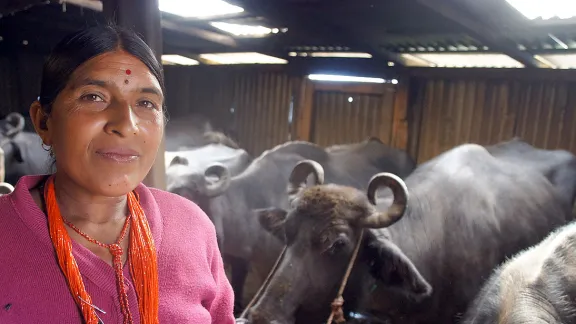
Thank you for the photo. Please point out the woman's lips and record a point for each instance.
(119, 155)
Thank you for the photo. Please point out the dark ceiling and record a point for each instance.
(382, 28)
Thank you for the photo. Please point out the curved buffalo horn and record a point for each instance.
(179, 160)
(17, 121)
(5, 188)
(301, 171)
(396, 211)
(217, 188)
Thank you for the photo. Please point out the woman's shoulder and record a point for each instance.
(173, 201)
(176, 209)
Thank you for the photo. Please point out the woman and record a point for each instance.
(90, 243)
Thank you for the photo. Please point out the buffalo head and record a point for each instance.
(11, 125)
(197, 185)
(321, 229)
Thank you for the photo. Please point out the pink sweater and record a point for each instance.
(193, 285)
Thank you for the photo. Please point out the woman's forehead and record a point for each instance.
(115, 64)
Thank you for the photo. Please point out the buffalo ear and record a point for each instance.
(272, 220)
(392, 268)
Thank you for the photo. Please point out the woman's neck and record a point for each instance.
(78, 205)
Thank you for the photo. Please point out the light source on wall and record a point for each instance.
(332, 54)
(172, 59)
(558, 61)
(341, 54)
(533, 9)
(343, 78)
(198, 8)
(461, 60)
(241, 58)
(242, 30)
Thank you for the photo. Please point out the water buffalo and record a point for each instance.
(23, 152)
(428, 244)
(231, 201)
(559, 166)
(370, 153)
(189, 173)
(537, 286)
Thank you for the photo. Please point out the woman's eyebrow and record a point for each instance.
(151, 90)
(89, 81)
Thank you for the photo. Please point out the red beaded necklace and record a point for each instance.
(116, 251)
(142, 260)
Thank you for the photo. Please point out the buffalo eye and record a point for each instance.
(338, 245)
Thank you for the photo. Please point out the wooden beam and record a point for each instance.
(366, 88)
(143, 16)
(299, 20)
(491, 37)
(482, 73)
(200, 33)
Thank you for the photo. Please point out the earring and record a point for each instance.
(46, 148)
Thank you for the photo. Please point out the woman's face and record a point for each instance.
(106, 125)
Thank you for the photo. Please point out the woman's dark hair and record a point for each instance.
(83, 45)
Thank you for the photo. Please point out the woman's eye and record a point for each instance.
(92, 97)
(147, 104)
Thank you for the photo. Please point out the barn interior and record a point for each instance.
(421, 75)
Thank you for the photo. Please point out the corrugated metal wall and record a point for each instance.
(485, 111)
(201, 91)
(261, 107)
(337, 120)
(20, 75)
(252, 105)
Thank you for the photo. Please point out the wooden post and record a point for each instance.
(304, 110)
(399, 136)
(142, 16)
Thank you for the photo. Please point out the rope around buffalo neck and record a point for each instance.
(337, 314)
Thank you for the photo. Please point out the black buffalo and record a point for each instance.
(231, 201)
(23, 152)
(558, 166)
(428, 244)
(537, 286)
(189, 172)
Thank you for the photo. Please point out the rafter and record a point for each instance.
(490, 36)
(326, 30)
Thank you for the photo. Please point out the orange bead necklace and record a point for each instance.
(141, 252)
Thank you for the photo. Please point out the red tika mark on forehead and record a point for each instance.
(128, 72)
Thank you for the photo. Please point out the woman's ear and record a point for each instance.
(40, 121)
